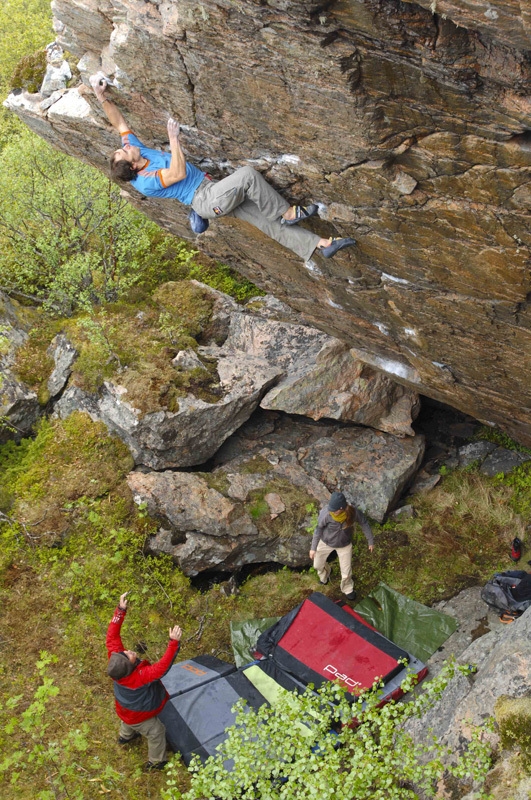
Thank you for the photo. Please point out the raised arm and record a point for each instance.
(177, 170)
(112, 112)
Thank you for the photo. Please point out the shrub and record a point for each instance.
(301, 747)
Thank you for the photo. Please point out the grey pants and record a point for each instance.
(155, 733)
(247, 195)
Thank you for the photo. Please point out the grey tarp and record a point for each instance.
(416, 628)
(244, 636)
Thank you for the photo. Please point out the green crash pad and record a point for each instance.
(244, 636)
(413, 627)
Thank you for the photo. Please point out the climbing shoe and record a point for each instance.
(301, 212)
(508, 616)
(198, 224)
(351, 595)
(136, 735)
(516, 549)
(151, 765)
(335, 246)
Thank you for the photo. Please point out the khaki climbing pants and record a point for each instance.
(247, 195)
(155, 733)
(345, 564)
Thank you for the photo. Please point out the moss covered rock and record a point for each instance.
(513, 715)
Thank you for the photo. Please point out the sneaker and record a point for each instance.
(198, 224)
(351, 595)
(516, 549)
(136, 735)
(151, 765)
(301, 212)
(335, 246)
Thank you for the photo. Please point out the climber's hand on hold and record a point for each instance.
(174, 129)
(99, 85)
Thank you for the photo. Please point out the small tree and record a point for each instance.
(307, 747)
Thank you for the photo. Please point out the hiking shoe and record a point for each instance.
(516, 549)
(351, 595)
(197, 223)
(151, 765)
(301, 212)
(335, 246)
(136, 735)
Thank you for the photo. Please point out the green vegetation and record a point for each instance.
(286, 751)
(72, 540)
(29, 72)
(134, 342)
(513, 715)
(25, 26)
(498, 437)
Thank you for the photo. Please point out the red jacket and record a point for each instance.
(140, 695)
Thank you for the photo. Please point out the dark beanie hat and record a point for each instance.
(119, 666)
(337, 501)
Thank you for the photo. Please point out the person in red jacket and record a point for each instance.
(138, 692)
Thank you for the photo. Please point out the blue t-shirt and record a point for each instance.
(149, 180)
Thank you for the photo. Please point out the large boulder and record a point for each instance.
(19, 404)
(224, 521)
(247, 351)
(258, 503)
(502, 656)
(321, 377)
(371, 467)
(408, 121)
(182, 438)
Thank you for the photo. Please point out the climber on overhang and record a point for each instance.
(244, 194)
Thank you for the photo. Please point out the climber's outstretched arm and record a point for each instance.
(177, 169)
(112, 112)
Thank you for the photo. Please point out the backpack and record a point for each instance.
(497, 592)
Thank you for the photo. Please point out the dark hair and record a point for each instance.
(122, 170)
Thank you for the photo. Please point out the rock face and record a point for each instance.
(321, 377)
(371, 467)
(203, 529)
(64, 355)
(256, 506)
(502, 655)
(409, 122)
(258, 351)
(184, 438)
(19, 406)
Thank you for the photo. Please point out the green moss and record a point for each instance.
(66, 461)
(256, 465)
(258, 507)
(513, 716)
(29, 72)
(519, 481)
(133, 343)
(5, 345)
(32, 364)
(185, 311)
(216, 480)
(495, 435)
(292, 520)
(222, 278)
